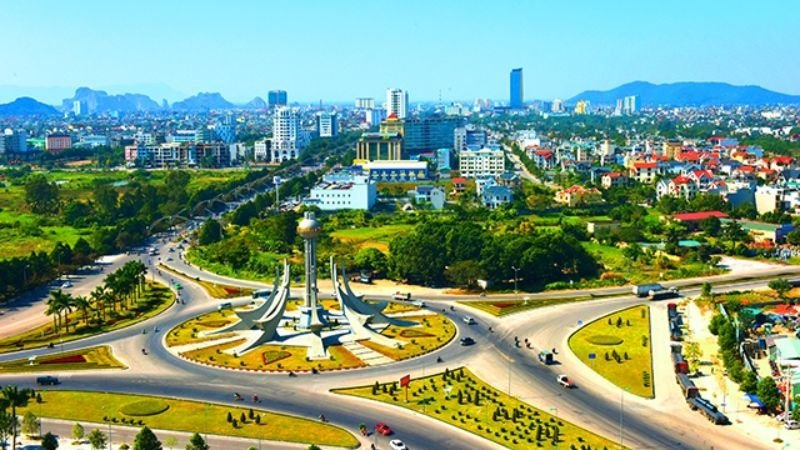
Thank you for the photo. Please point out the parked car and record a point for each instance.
(383, 429)
(66, 285)
(397, 444)
(469, 320)
(791, 424)
(465, 341)
(47, 380)
(565, 382)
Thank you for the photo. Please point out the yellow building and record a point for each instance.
(578, 195)
(671, 148)
(379, 147)
(582, 107)
(392, 125)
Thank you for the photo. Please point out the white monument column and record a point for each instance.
(310, 312)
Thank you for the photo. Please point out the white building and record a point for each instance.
(93, 140)
(365, 103)
(396, 103)
(261, 150)
(343, 190)
(481, 163)
(460, 139)
(288, 139)
(374, 116)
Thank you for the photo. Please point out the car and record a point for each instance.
(66, 285)
(469, 320)
(382, 428)
(224, 305)
(169, 258)
(565, 382)
(47, 380)
(397, 444)
(781, 417)
(465, 341)
(791, 424)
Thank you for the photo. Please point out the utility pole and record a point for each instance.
(516, 277)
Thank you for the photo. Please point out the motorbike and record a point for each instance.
(322, 418)
(237, 397)
(144, 352)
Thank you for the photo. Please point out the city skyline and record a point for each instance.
(565, 49)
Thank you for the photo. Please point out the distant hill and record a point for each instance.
(101, 101)
(26, 106)
(256, 103)
(689, 94)
(204, 101)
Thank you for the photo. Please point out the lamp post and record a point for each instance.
(516, 272)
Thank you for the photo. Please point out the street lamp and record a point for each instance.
(516, 272)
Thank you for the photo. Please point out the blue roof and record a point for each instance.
(754, 399)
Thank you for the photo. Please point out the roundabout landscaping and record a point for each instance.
(195, 341)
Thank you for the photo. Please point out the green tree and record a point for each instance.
(49, 442)
(372, 260)
(711, 226)
(793, 237)
(464, 273)
(313, 447)
(210, 232)
(15, 398)
(749, 383)
(633, 252)
(781, 286)
(30, 424)
(146, 440)
(41, 195)
(196, 442)
(768, 392)
(97, 439)
(8, 423)
(78, 432)
(706, 291)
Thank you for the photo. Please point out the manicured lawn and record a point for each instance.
(435, 331)
(370, 237)
(181, 415)
(624, 334)
(501, 308)
(494, 415)
(84, 359)
(155, 300)
(188, 332)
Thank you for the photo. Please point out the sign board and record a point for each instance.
(405, 380)
(483, 284)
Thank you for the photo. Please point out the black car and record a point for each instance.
(47, 380)
(467, 341)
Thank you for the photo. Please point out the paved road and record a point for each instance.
(661, 423)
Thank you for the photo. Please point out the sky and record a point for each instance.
(339, 50)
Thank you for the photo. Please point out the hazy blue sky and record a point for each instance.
(337, 50)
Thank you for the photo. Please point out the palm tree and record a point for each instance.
(99, 296)
(15, 397)
(82, 303)
(57, 304)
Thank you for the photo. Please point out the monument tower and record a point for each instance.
(311, 311)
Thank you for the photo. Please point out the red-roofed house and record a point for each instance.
(698, 216)
(614, 179)
(543, 158)
(781, 162)
(680, 186)
(767, 174)
(578, 195)
(644, 172)
(459, 184)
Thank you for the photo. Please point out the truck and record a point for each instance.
(687, 386)
(680, 364)
(643, 290)
(660, 294)
(708, 409)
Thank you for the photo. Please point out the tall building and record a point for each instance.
(327, 124)
(277, 98)
(261, 150)
(557, 106)
(365, 103)
(15, 141)
(430, 133)
(396, 103)
(58, 142)
(582, 107)
(517, 101)
(374, 116)
(288, 139)
(379, 146)
(630, 104)
(79, 107)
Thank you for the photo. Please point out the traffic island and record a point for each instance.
(215, 290)
(461, 399)
(617, 346)
(182, 415)
(85, 359)
(107, 314)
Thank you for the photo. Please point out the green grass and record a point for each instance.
(500, 308)
(371, 237)
(94, 358)
(150, 407)
(599, 337)
(189, 416)
(155, 300)
(531, 428)
(216, 290)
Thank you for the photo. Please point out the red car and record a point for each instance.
(383, 429)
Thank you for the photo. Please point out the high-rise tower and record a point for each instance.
(517, 101)
(396, 103)
(311, 310)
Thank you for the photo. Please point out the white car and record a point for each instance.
(66, 285)
(469, 320)
(565, 382)
(397, 444)
(791, 424)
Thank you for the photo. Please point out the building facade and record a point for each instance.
(327, 124)
(277, 98)
(481, 163)
(397, 103)
(58, 142)
(430, 133)
(516, 97)
(379, 146)
(343, 190)
(288, 139)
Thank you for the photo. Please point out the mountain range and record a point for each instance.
(101, 101)
(688, 94)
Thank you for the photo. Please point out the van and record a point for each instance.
(47, 380)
